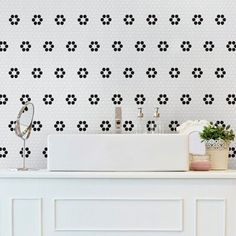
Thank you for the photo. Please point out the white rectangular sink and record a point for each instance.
(118, 152)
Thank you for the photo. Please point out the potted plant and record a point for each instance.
(217, 139)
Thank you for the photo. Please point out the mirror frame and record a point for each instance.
(17, 126)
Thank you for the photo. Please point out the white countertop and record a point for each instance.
(44, 174)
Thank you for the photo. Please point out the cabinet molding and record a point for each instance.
(210, 216)
(94, 214)
(26, 212)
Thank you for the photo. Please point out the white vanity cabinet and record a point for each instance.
(45, 203)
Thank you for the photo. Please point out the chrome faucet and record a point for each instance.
(118, 120)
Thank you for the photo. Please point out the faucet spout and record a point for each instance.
(118, 120)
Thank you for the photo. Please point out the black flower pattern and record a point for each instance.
(151, 72)
(27, 152)
(185, 99)
(163, 46)
(231, 99)
(71, 46)
(11, 125)
(151, 19)
(140, 99)
(129, 19)
(14, 19)
(197, 19)
(128, 72)
(104, 22)
(186, 46)
(173, 125)
(25, 98)
(208, 99)
(151, 126)
(106, 19)
(197, 72)
(232, 152)
(59, 73)
(25, 46)
(231, 46)
(174, 19)
(48, 46)
(71, 99)
(48, 99)
(3, 152)
(37, 125)
(105, 125)
(82, 126)
(105, 72)
(128, 125)
(59, 125)
(83, 19)
(117, 99)
(94, 99)
(208, 46)
(3, 46)
(163, 99)
(3, 99)
(220, 72)
(82, 73)
(94, 46)
(60, 19)
(37, 19)
(45, 152)
(220, 123)
(117, 46)
(174, 72)
(14, 73)
(220, 19)
(140, 46)
(37, 73)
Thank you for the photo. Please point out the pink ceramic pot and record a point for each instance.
(200, 165)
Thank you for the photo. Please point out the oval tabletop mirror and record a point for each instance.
(23, 126)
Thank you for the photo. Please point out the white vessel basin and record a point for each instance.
(118, 152)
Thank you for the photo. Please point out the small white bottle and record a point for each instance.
(158, 126)
(140, 121)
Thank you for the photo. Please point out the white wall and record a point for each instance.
(117, 61)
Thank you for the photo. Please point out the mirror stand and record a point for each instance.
(23, 128)
(23, 168)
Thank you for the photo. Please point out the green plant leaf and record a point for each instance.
(217, 133)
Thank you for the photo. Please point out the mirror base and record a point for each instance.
(22, 169)
(26, 169)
